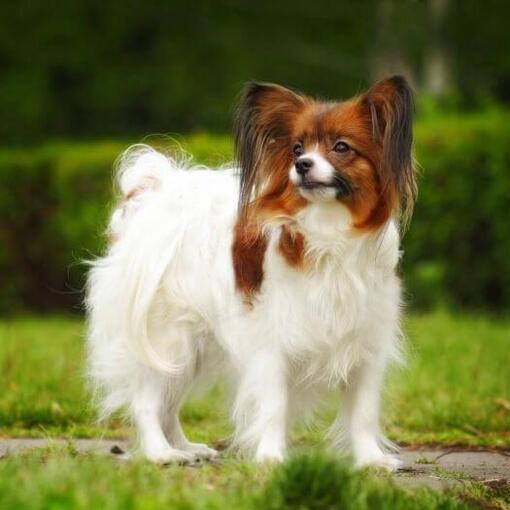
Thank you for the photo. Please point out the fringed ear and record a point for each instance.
(391, 106)
(262, 128)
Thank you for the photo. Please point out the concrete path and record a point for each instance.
(442, 469)
(438, 469)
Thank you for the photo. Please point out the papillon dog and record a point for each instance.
(278, 273)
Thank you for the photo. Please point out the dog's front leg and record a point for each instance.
(260, 410)
(359, 424)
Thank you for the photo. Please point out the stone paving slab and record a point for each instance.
(102, 446)
(443, 469)
(438, 469)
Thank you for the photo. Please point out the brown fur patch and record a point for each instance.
(292, 246)
(262, 127)
(248, 252)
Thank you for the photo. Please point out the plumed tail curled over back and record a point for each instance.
(123, 285)
(141, 167)
(140, 170)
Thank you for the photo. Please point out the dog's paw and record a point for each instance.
(268, 456)
(202, 451)
(384, 461)
(170, 456)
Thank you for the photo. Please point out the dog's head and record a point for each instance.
(294, 150)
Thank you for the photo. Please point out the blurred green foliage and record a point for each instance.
(111, 68)
(458, 245)
(54, 201)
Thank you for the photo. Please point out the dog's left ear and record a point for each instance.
(391, 108)
(262, 128)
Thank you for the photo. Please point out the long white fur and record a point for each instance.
(164, 313)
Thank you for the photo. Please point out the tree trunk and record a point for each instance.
(437, 77)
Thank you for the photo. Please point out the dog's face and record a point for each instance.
(294, 150)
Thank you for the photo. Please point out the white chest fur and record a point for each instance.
(331, 314)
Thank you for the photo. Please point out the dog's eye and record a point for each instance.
(298, 149)
(341, 147)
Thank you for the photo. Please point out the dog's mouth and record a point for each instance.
(315, 185)
(341, 185)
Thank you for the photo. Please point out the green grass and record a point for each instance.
(453, 390)
(57, 479)
(42, 373)
(456, 387)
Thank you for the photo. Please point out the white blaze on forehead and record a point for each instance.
(322, 170)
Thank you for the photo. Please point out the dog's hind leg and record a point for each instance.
(176, 390)
(147, 410)
(187, 348)
(176, 437)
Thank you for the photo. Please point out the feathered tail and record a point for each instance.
(123, 285)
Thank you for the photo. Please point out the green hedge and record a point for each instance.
(458, 246)
(107, 68)
(54, 201)
(54, 204)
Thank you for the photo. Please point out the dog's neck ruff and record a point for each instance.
(319, 238)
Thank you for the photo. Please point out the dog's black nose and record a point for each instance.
(303, 165)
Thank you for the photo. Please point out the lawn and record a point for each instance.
(454, 390)
(59, 480)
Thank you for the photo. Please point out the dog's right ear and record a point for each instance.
(262, 128)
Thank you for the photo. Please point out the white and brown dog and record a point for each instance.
(280, 275)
